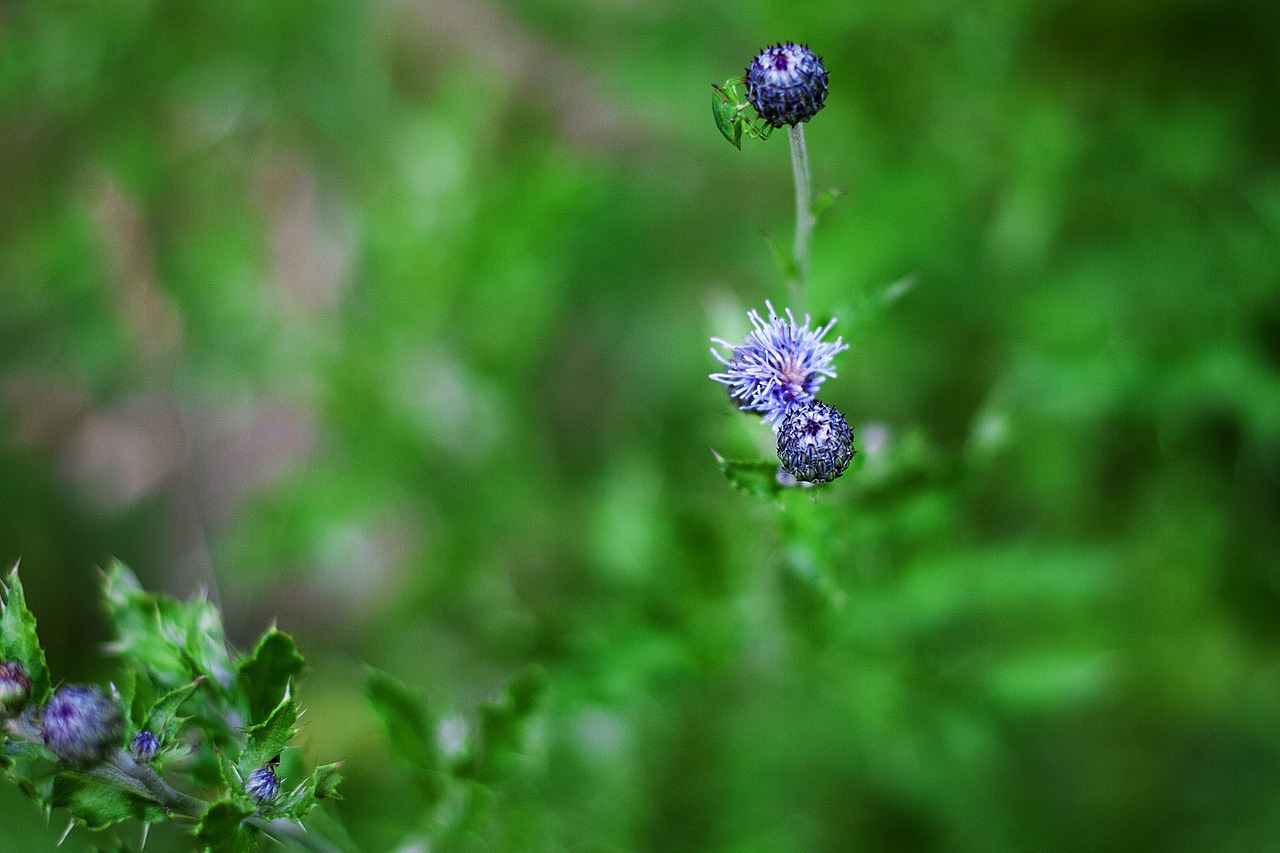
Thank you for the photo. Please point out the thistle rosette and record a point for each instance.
(82, 724)
(781, 364)
(787, 84)
(815, 444)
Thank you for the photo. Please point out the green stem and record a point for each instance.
(804, 214)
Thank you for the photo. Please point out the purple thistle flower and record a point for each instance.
(787, 84)
(779, 365)
(815, 444)
(82, 724)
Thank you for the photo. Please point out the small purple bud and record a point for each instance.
(815, 443)
(787, 84)
(145, 745)
(15, 685)
(263, 785)
(82, 724)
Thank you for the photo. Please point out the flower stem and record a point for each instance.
(804, 214)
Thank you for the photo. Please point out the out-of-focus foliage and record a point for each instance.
(391, 322)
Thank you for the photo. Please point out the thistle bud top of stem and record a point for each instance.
(787, 84)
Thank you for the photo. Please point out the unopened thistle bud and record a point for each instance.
(815, 443)
(263, 786)
(15, 685)
(787, 84)
(82, 724)
(145, 745)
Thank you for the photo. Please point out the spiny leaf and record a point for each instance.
(162, 718)
(222, 829)
(18, 639)
(97, 799)
(322, 784)
(32, 767)
(264, 676)
(753, 476)
(175, 641)
(269, 738)
(410, 728)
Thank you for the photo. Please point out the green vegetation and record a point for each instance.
(390, 325)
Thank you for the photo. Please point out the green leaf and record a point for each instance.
(785, 261)
(411, 732)
(322, 784)
(99, 798)
(18, 639)
(325, 780)
(222, 829)
(174, 641)
(269, 738)
(502, 726)
(753, 476)
(265, 675)
(162, 718)
(32, 767)
(824, 200)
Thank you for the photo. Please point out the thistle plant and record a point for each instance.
(201, 735)
(777, 371)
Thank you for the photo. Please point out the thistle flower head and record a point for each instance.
(145, 745)
(262, 785)
(82, 724)
(787, 84)
(15, 685)
(815, 444)
(780, 364)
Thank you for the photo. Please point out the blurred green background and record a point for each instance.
(389, 322)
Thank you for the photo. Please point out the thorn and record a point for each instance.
(716, 454)
(66, 832)
(146, 832)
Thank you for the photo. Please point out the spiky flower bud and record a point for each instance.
(145, 745)
(82, 724)
(787, 84)
(815, 443)
(263, 786)
(15, 685)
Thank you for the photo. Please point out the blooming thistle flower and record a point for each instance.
(787, 84)
(263, 786)
(145, 745)
(780, 364)
(15, 685)
(815, 443)
(82, 724)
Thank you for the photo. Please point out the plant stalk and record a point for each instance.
(804, 214)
